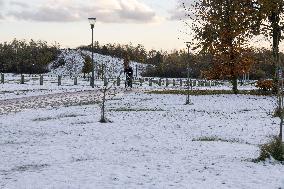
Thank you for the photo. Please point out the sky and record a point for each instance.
(153, 23)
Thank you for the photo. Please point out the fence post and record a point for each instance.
(75, 81)
(91, 80)
(141, 81)
(22, 79)
(105, 81)
(59, 80)
(103, 71)
(41, 80)
(174, 82)
(167, 82)
(160, 82)
(150, 82)
(187, 83)
(118, 81)
(2, 78)
(180, 82)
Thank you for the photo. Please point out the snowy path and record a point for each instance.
(50, 100)
(55, 100)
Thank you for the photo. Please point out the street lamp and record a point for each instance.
(187, 98)
(92, 22)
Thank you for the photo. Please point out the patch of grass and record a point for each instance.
(215, 138)
(277, 112)
(4, 92)
(22, 91)
(58, 117)
(83, 103)
(12, 143)
(82, 123)
(123, 109)
(273, 149)
(24, 168)
(44, 118)
(210, 92)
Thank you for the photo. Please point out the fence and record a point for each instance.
(119, 81)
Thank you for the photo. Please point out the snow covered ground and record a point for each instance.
(154, 141)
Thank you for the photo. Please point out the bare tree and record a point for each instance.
(109, 91)
(106, 91)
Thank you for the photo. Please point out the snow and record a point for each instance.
(50, 136)
(52, 139)
(75, 61)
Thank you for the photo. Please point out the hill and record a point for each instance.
(71, 62)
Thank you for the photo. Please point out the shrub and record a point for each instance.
(274, 149)
(277, 112)
(259, 74)
(264, 85)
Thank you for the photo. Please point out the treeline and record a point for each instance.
(135, 53)
(20, 56)
(175, 64)
(161, 63)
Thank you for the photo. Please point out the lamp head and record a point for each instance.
(92, 22)
(187, 44)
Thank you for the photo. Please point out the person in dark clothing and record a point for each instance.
(128, 71)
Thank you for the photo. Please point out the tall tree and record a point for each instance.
(271, 14)
(222, 28)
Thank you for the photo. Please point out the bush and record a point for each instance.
(274, 149)
(264, 85)
(259, 74)
(58, 63)
(277, 112)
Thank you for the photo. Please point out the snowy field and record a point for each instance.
(50, 137)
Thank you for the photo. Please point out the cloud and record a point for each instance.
(19, 4)
(110, 11)
(47, 14)
(179, 13)
(1, 7)
(136, 11)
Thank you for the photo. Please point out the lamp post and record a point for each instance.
(92, 22)
(187, 98)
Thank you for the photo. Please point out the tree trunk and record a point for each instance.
(235, 85)
(103, 119)
(234, 76)
(274, 19)
(281, 126)
(277, 86)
